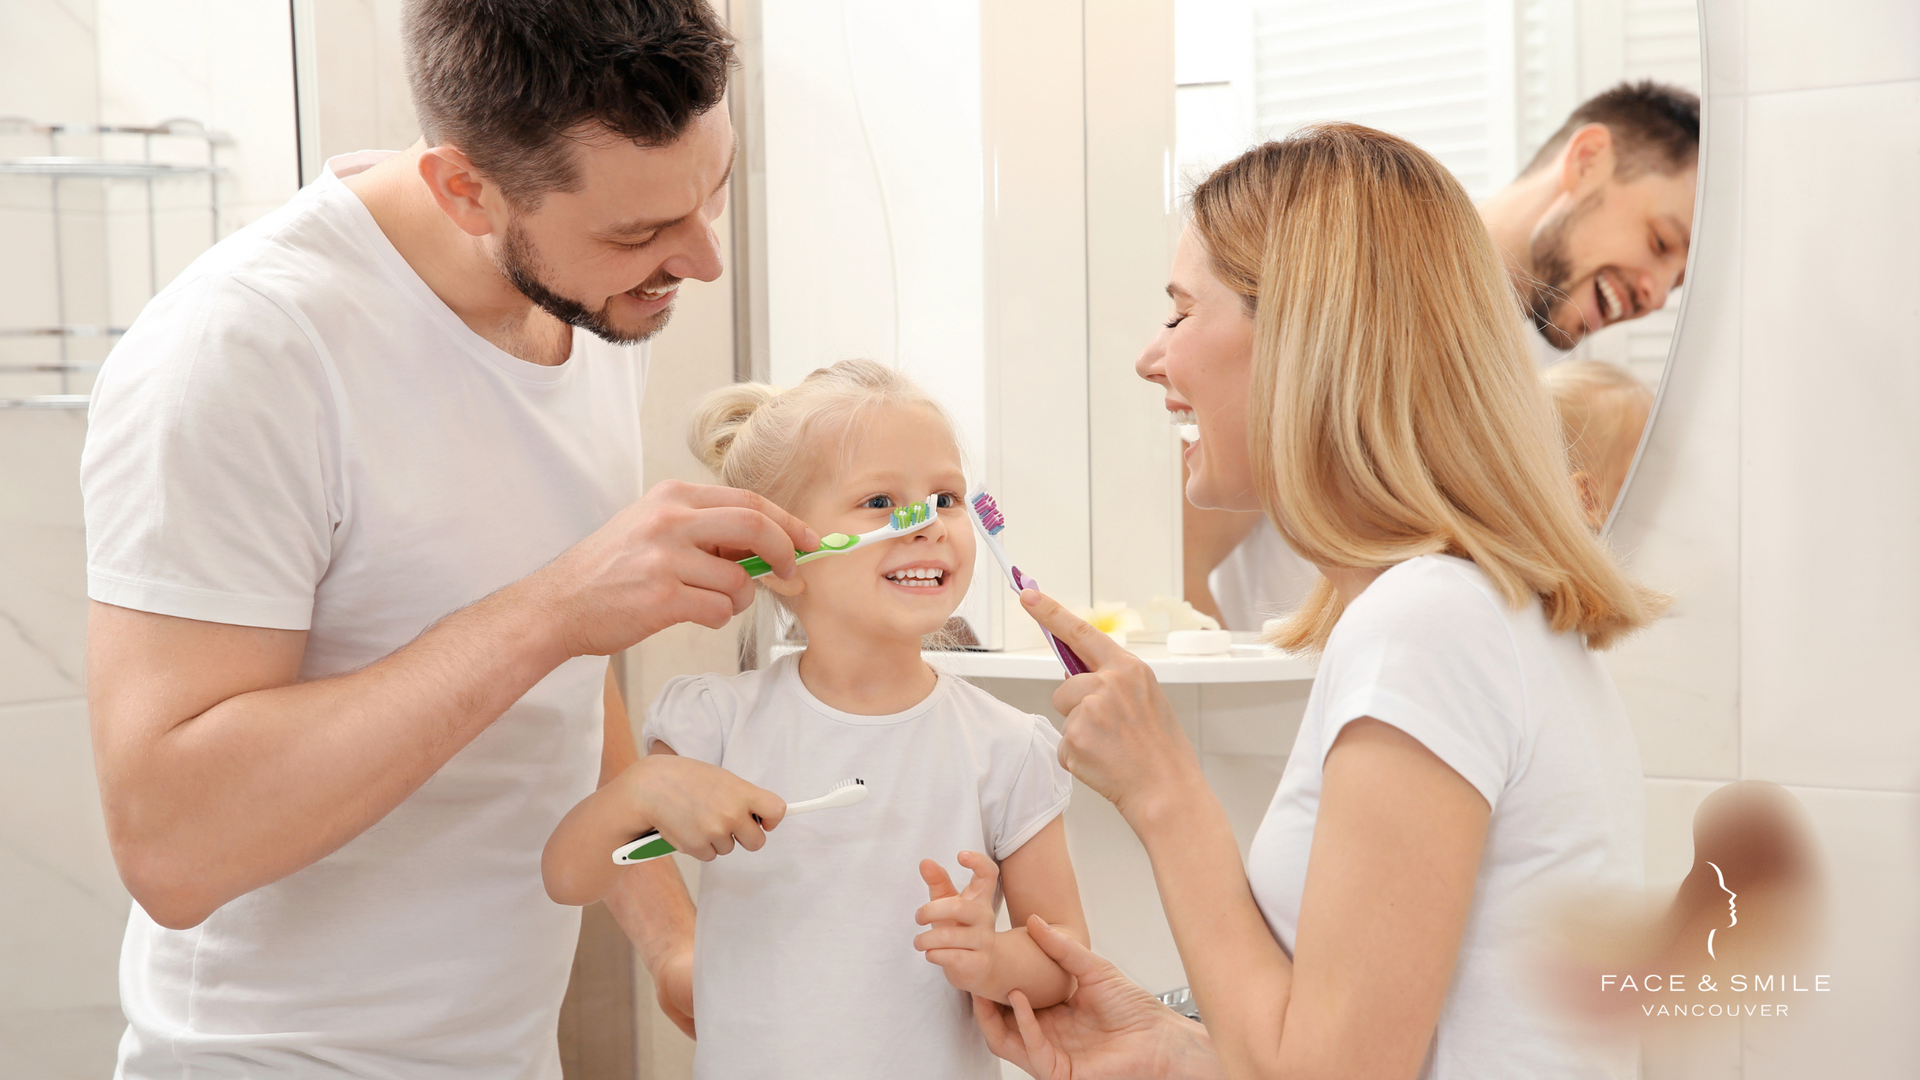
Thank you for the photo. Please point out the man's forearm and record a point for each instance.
(259, 783)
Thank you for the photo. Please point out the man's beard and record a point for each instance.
(1553, 272)
(516, 260)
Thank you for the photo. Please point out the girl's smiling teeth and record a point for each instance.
(918, 577)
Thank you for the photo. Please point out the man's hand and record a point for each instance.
(669, 558)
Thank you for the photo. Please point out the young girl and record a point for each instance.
(804, 960)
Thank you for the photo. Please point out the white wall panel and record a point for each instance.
(1830, 511)
(1798, 45)
(1678, 525)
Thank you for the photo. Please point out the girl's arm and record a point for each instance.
(650, 901)
(1396, 849)
(701, 809)
(1037, 880)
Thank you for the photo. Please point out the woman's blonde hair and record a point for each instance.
(1395, 411)
(759, 437)
(1603, 409)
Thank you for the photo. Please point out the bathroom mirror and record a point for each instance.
(1483, 87)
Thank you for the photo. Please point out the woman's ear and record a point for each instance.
(1590, 508)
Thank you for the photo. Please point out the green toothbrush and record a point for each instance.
(651, 845)
(905, 519)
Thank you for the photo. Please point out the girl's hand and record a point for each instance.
(701, 809)
(962, 938)
(1122, 738)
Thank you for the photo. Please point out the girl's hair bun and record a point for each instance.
(721, 416)
(773, 442)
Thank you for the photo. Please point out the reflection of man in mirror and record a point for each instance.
(1595, 229)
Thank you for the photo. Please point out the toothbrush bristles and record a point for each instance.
(846, 783)
(989, 513)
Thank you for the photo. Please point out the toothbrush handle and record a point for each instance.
(648, 846)
(755, 566)
(1068, 658)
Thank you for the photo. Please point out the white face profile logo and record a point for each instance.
(1732, 913)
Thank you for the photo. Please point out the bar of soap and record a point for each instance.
(1199, 642)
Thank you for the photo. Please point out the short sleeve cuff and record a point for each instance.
(1040, 792)
(1487, 774)
(205, 605)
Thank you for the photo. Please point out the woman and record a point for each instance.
(1347, 340)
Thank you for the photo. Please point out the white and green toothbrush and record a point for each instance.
(651, 845)
(905, 519)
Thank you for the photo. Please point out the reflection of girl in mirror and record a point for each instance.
(1343, 332)
(1603, 409)
(804, 961)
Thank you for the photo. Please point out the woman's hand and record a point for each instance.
(1122, 738)
(1110, 1028)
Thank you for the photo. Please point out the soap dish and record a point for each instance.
(1199, 642)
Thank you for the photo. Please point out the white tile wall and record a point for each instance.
(1832, 360)
(1864, 1027)
(61, 907)
(1795, 45)
(1778, 500)
(42, 560)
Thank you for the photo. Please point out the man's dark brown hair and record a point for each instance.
(513, 83)
(1655, 128)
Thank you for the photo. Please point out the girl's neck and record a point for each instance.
(865, 675)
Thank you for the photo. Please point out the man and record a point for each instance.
(362, 522)
(1594, 231)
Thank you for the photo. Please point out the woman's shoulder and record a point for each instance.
(1425, 597)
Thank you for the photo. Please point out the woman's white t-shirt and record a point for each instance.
(1530, 718)
(804, 964)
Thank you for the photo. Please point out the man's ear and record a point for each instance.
(458, 188)
(1587, 160)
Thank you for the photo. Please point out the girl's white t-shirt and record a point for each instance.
(297, 433)
(804, 964)
(1531, 719)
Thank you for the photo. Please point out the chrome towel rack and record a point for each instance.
(59, 169)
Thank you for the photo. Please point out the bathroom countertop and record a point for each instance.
(1249, 662)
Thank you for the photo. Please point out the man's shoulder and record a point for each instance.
(302, 255)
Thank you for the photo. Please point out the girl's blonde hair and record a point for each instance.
(1395, 411)
(758, 437)
(1603, 410)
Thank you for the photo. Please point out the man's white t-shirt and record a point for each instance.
(1260, 579)
(297, 433)
(1531, 719)
(804, 964)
